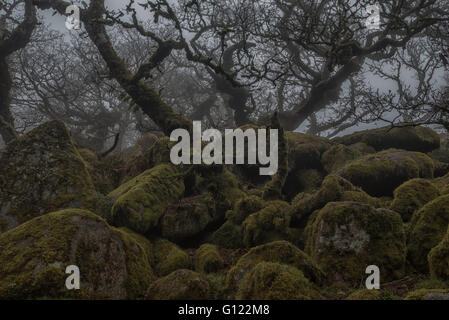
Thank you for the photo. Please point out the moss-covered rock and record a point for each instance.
(303, 180)
(334, 188)
(439, 259)
(412, 138)
(34, 256)
(266, 225)
(207, 259)
(379, 174)
(282, 252)
(273, 281)
(40, 172)
(244, 208)
(427, 228)
(428, 294)
(140, 202)
(168, 257)
(365, 294)
(180, 285)
(346, 237)
(187, 218)
(339, 155)
(412, 196)
(229, 235)
(139, 158)
(305, 151)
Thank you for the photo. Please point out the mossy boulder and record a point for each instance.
(428, 294)
(412, 196)
(244, 208)
(303, 180)
(274, 281)
(140, 203)
(168, 257)
(180, 285)
(113, 263)
(439, 259)
(344, 238)
(138, 158)
(305, 150)
(334, 188)
(269, 224)
(427, 228)
(229, 236)
(282, 252)
(412, 138)
(339, 155)
(187, 218)
(41, 172)
(207, 259)
(381, 173)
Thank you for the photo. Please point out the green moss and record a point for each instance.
(439, 259)
(269, 224)
(379, 174)
(41, 172)
(432, 283)
(180, 285)
(412, 138)
(244, 208)
(35, 254)
(428, 294)
(168, 257)
(339, 155)
(280, 252)
(346, 237)
(273, 281)
(427, 229)
(412, 196)
(273, 189)
(228, 236)
(365, 294)
(141, 202)
(207, 259)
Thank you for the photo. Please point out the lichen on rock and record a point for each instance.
(344, 238)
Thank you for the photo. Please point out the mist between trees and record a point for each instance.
(155, 66)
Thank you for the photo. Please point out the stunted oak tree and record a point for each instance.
(15, 33)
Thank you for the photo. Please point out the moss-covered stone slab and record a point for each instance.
(381, 173)
(338, 155)
(412, 138)
(42, 172)
(412, 196)
(439, 259)
(140, 202)
(344, 238)
(274, 281)
(180, 285)
(427, 228)
(113, 263)
(282, 252)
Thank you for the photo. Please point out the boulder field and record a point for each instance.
(138, 227)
